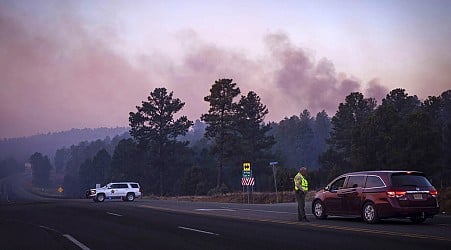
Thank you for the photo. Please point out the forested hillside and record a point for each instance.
(22, 148)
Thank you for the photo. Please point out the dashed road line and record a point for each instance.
(67, 236)
(118, 215)
(197, 230)
(310, 224)
(49, 229)
(76, 242)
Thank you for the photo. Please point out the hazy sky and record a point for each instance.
(76, 64)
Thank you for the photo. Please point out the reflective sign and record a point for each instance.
(247, 166)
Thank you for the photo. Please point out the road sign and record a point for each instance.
(247, 174)
(247, 166)
(247, 181)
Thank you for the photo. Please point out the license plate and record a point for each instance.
(417, 196)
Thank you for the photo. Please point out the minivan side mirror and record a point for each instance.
(326, 188)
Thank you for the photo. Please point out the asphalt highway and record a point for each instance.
(32, 222)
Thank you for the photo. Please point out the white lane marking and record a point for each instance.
(197, 230)
(69, 237)
(118, 215)
(50, 229)
(76, 242)
(215, 209)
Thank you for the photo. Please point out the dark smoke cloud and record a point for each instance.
(376, 90)
(306, 83)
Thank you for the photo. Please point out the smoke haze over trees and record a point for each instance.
(402, 132)
(21, 148)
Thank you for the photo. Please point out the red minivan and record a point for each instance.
(375, 195)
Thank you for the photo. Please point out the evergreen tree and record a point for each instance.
(254, 144)
(9, 166)
(128, 162)
(154, 128)
(220, 121)
(40, 166)
(305, 139)
(346, 136)
(61, 159)
(321, 130)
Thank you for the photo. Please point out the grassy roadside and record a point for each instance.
(239, 197)
(444, 197)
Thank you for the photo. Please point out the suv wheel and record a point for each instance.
(318, 210)
(130, 197)
(369, 213)
(100, 197)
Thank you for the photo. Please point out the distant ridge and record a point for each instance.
(23, 147)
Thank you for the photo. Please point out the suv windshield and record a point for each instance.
(405, 179)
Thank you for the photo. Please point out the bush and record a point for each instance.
(223, 189)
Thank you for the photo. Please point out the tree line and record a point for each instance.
(171, 155)
(401, 133)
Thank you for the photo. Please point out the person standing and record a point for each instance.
(300, 190)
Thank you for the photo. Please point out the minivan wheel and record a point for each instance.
(417, 220)
(130, 197)
(369, 213)
(318, 210)
(100, 197)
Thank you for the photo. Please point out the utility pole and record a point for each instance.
(274, 172)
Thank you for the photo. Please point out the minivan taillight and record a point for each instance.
(396, 194)
(434, 193)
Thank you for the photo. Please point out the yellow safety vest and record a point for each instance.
(300, 182)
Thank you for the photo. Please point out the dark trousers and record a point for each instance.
(300, 198)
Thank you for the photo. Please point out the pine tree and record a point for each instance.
(220, 121)
(156, 130)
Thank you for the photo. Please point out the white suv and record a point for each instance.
(127, 191)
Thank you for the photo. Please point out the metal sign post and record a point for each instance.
(274, 172)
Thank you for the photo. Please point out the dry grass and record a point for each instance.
(239, 197)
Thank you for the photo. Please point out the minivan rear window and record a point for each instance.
(409, 179)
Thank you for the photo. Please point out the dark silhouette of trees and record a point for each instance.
(300, 140)
(40, 166)
(128, 162)
(220, 121)
(95, 171)
(402, 133)
(154, 128)
(62, 157)
(253, 140)
(10, 166)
